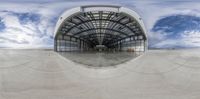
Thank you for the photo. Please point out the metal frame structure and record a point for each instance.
(85, 27)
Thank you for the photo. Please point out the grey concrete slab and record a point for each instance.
(157, 74)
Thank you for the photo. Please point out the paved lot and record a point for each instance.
(100, 59)
(157, 74)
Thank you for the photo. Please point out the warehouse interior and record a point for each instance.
(100, 30)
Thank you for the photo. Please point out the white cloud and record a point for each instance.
(187, 39)
(28, 34)
(39, 34)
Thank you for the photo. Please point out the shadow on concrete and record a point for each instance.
(100, 59)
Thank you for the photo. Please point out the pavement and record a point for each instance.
(45, 74)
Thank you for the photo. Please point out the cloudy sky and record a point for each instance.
(30, 23)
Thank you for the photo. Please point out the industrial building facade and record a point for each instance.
(100, 28)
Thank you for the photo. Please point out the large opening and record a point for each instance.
(100, 29)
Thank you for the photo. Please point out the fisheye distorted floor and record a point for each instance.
(44, 74)
(100, 59)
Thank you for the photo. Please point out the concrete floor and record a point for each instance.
(100, 59)
(157, 74)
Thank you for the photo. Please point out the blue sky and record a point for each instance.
(30, 23)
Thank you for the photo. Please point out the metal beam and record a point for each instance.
(95, 20)
(101, 29)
